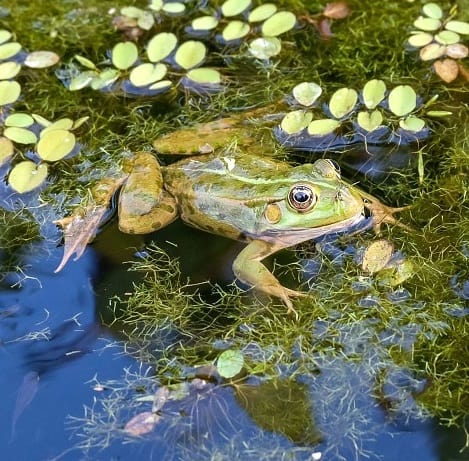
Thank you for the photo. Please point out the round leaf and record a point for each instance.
(432, 51)
(156, 5)
(420, 39)
(342, 102)
(427, 24)
(20, 135)
(306, 93)
(296, 121)
(204, 23)
(8, 50)
(402, 100)
(26, 176)
(161, 46)
(279, 23)
(41, 59)
(146, 74)
(124, 55)
(9, 69)
(6, 150)
(82, 80)
(446, 69)
(377, 255)
(5, 35)
(230, 363)
(262, 12)
(104, 79)
(235, 30)
(447, 37)
(370, 121)
(234, 7)
(322, 127)
(9, 92)
(459, 27)
(162, 85)
(373, 93)
(265, 47)
(432, 10)
(55, 145)
(412, 123)
(146, 20)
(61, 124)
(205, 76)
(20, 120)
(174, 7)
(190, 54)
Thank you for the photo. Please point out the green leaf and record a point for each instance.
(342, 102)
(5, 35)
(55, 145)
(9, 92)
(447, 37)
(146, 21)
(438, 113)
(369, 121)
(41, 120)
(427, 24)
(147, 73)
(82, 80)
(26, 176)
(306, 93)
(296, 121)
(105, 78)
(20, 120)
(6, 150)
(156, 5)
(235, 30)
(402, 100)
(459, 27)
(204, 23)
(234, 7)
(9, 69)
(420, 39)
(124, 55)
(132, 12)
(190, 54)
(265, 47)
(412, 123)
(278, 24)
(432, 10)
(61, 124)
(161, 46)
(205, 75)
(85, 62)
(41, 59)
(20, 135)
(174, 7)
(373, 93)
(79, 122)
(230, 363)
(8, 50)
(162, 85)
(262, 12)
(322, 127)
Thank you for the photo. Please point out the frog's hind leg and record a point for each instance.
(144, 206)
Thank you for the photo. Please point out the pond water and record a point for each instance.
(118, 355)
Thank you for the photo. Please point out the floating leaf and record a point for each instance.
(41, 120)
(8, 50)
(432, 10)
(147, 73)
(369, 121)
(446, 69)
(420, 39)
(397, 274)
(105, 78)
(9, 92)
(20, 135)
(20, 120)
(85, 62)
(163, 85)
(9, 69)
(41, 59)
(306, 93)
(174, 7)
(262, 12)
(61, 124)
(412, 123)
(190, 54)
(55, 145)
(235, 30)
(427, 24)
(234, 7)
(124, 55)
(373, 93)
(142, 423)
(82, 80)
(5, 35)
(342, 102)
(296, 121)
(438, 113)
(459, 27)
(278, 24)
(146, 21)
(402, 100)
(26, 176)
(79, 122)
(6, 150)
(156, 5)
(161, 46)
(204, 23)
(457, 51)
(265, 47)
(432, 51)
(230, 363)
(205, 75)
(132, 11)
(377, 255)
(447, 37)
(322, 127)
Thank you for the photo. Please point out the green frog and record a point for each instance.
(266, 203)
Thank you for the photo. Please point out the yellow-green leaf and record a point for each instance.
(9, 92)
(147, 73)
(8, 50)
(9, 69)
(190, 54)
(5, 35)
(432, 10)
(26, 176)
(235, 30)
(459, 27)
(402, 100)
(20, 119)
(124, 55)
(369, 121)
(174, 7)
(307, 93)
(447, 37)
(230, 363)
(61, 124)
(205, 75)
(412, 123)
(161, 46)
(262, 12)
(278, 24)
(296, 121)
(55, 145)
(6, 150)
(373, 93)
(234, 7)
(342, 102)
(205, 23)
(420, 39)
(85, 62)
(427, 24)
(20, 135)
(265, 47)
(322, 127)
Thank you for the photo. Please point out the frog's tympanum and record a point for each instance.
(268, 204)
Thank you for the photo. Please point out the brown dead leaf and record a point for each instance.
(463, 72)
(336, 10)
(447, 69)
(142, 424)
(324, 29)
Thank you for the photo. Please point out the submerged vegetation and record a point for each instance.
(368, 345)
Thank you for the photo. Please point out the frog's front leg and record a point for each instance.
(144, 206)
(249, 269)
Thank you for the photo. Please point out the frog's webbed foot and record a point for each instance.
(383, 214)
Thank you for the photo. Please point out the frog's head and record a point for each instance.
(316, 202)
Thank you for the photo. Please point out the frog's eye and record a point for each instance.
(302, 198)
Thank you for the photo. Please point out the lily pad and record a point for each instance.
(61, 124)
(235, 30)
(55, 145)
(230, 363)
(124, 55)
(234, 7)
(161, 46)
(41, 59)
(427, 24)
(204, 23)
(20, 135)
(205, 76)
(420, 39)
(322, 127)
(296, 121)
(373, 93)
(342, 102)
(147, 73)
(447, 37)
(190, 54)
(412, 123)
(307, 93)
(278, 24)
(402, 100)
(8, 50)
(9, 92)
(262, 12)
(432, 51)
(5, 35)
(369, 121)
(265, 47)
(9, 69)
(26, 176)
(174, 7)
(459, 27)
(432, 10)
(20, 120)
(6, 150)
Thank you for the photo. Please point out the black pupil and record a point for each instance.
(301, 196)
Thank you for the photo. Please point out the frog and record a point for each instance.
(264, 202)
